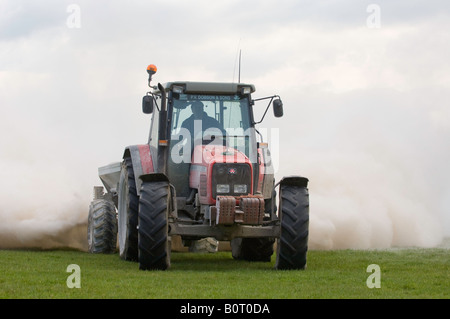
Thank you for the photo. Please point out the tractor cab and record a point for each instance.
(210, 143)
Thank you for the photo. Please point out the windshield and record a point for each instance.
(199, 114)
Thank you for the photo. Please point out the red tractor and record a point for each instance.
(204, 173)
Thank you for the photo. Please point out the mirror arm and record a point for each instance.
(155, 99)
(265, 112)
(267, 97)
(267, 108)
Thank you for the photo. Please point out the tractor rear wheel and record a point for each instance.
(292, 246)
(154, 244)
(102, 227)
(128, 204)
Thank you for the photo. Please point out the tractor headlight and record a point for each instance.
(223, 188)
(240, 189)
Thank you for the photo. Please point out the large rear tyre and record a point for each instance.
(102, 227)
(154, 244)
(128, 205)
(292, 246)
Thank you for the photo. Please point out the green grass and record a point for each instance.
(411, 273)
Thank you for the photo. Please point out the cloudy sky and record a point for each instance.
(365, 87)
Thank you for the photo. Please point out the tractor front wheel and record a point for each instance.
(292, 246)
(154, 244)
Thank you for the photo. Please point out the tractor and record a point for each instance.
(205, 173)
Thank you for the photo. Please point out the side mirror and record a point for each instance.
(147, 104)
(278, 108)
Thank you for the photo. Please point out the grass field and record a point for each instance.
(404, 273)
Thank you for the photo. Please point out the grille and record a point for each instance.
(231, 174)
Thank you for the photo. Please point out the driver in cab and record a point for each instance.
(199, 122)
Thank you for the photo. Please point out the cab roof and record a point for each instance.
(208, 87)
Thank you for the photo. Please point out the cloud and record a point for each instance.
(23, 18)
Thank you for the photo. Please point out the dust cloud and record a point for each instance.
(377, 168)
(43, 198)
(29, 220)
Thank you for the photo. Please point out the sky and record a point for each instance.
(365, 87)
